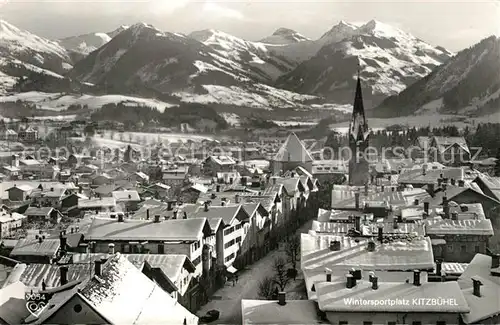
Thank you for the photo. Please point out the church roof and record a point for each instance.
(293, 150)
(358, 127)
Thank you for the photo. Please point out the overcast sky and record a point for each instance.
(452, 24)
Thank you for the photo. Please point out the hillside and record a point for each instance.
(388, 58)
(284, 36)
(467, 83)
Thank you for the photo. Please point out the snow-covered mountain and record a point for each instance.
(84, 44)
(17, 44)
(244, 55)
(284, 36)
(225, 70)
(389, 60)
(467, 83)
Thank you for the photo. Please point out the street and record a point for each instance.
(227, 300)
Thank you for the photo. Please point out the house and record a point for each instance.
(97, 204)
(177, 236)
(480, 284)
(10, 222)
(235, 220)
(489, 185)
(103, 179)
(174, 177)
(76, 159)
(458, 240)
(160, 190)
(19, 193)
(40, 250)
(216, 164)
(191, 193)
(449, 150)
(129, 199)
(29, 134)
(43, 214)
(12, 305)
(11, 171)
(71, 200)
(105, 297)
(139, 177)
(50, 197)
(292, 154)
(354, 299)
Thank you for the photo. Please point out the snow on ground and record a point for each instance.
(113, 139)
(347, 108)
(59, 101)
(6, 82)
(294, 123)
(31, 67)
(231, 118)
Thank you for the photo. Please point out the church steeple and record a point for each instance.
(358, 127)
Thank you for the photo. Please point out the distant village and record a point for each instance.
(238, 232)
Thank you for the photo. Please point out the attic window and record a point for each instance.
(77, 308)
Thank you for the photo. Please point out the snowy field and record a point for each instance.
(60, 102)
(294, 123)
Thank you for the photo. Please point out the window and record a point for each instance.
(477, 249)
(449, 247)
(197, 261)
(77, 308)
(238, 239)
(161, 249)
(463, 249)
(126, 248)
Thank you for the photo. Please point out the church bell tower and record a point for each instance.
(358, 141)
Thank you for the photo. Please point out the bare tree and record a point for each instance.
(292, 250)
(266, 288)
(280, 273)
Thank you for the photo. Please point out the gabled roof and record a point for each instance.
(166, 230)
(105, 202)
(30, 247)
(293, 150)
(126, 195)
(122, 295)
(491, 183)
(458, 227)
(170, 264)
(270, 312)
(41, 212)
(12, 304)
(445, 143)
(32, 275)
(228, 213)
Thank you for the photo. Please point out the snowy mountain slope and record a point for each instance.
(467, 83)
(389, 60)
(143, 57)
(27, 47)
(244, 55)
(283, 36)
(84, 44)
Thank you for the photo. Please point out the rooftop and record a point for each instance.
(293, 150)
(270, 312)
(28, 247)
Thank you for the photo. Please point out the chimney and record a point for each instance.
(357, 223)
(44, 285)
(281, 298)
(169, 206)
(371, 275)
(185, 216)
(382, 188)
(335, 245)
(237, 198)
(476, 285)
(356, 197)
(274, 180)
(120, 217)
(395, 223)
(62, 243)
(147, 214)
(380, 233)
(446, 208)
(461, 183)
(206, 206)
(371, 246)
(440, 181)
(453, 181)
(366, 189)
(328, 276)
(495, 261)
(231, 180)
(374, 282)
(416, 278)
(213, 196)
(393, 189)
(350, 281)
(426, 207)
(111, 249)
(356, 274)
(52, 189)
(431, 189)
(64, 274)
(416, 202)
(438, 267)
(217, 188)
(157, 218)
(97, 267)
(454, 215)
(424, 169)
(175, 214)
(40, 239)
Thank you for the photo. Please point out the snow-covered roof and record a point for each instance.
(166, 230)
(270, 312)
(458, 227)
(484, 307)
(31, 247)
(293, 150)
(105, 202)
(336, 297)
(12, 307)
(126, 195)
(401, 254)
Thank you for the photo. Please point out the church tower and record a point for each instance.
(358, 141)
